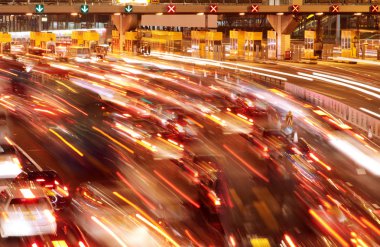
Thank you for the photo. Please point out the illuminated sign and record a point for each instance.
(213, 8)
(254, 8)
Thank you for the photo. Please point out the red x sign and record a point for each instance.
(213, 8)
(171, 8)
(374, 8)
(254, 8)
(295, 8)
(334, 8)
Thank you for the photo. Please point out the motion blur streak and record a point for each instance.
(67, 143)
(369, 163)
(135, 191)
(370, 112)
(328, 228)
(176, 189)
(192, 238)
(342, 84)
(109, 231)
(136, 207)
(113, 139)
(245, 163)
(348, 81)
(158, 230)
(289, 240)
(370, 225)
(320, 161)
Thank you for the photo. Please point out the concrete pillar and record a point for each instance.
(337, 30)
(125, 23)
(283, 25)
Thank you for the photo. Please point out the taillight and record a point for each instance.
(56, 182)
(265, 149)
(40, 180)
(34, 245)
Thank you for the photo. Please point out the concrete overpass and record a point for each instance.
(193, 8)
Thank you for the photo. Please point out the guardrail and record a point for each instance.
(353, 116)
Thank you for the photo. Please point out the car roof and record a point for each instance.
(25, 189)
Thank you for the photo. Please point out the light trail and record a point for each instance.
(171, 185)
(146, 201)
(66, 142)
(245, 163)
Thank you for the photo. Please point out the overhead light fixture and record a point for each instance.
(319, 14)
(159, 13)
(29, 14)
(242, 13)
(280, 13)
(74, 14)
(116, 14)
(200, 13)
(357, 14)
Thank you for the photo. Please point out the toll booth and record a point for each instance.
(284, 52)
(198, 43)
(271, 45)
(131, 41)
(5, 42)
(77, 38)
(309, 40)
(252, 45)
(237, 41)
(214, 45)
(174, 41)
(164, 41)
(348, 44)
(115, 46)
(44, 40)
(90, 39)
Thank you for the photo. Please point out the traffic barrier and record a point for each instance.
(353, 116)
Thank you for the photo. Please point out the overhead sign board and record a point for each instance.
(84, 8)
(40, 8)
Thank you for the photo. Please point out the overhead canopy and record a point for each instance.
(179, 20)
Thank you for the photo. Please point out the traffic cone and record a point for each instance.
(225, 78)
(204, 74)
(216, 75)
(295, 137)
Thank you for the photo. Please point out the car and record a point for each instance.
(68, 234)
(25, 211)
(10, 165)
(53, 185)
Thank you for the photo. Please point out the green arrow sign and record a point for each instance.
(128, 9)
(84, 8)
(40, 8)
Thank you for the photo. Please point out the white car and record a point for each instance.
(25, 211)
(10, 165)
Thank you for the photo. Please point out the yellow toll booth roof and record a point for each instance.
(260, 242)
(5, 37)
